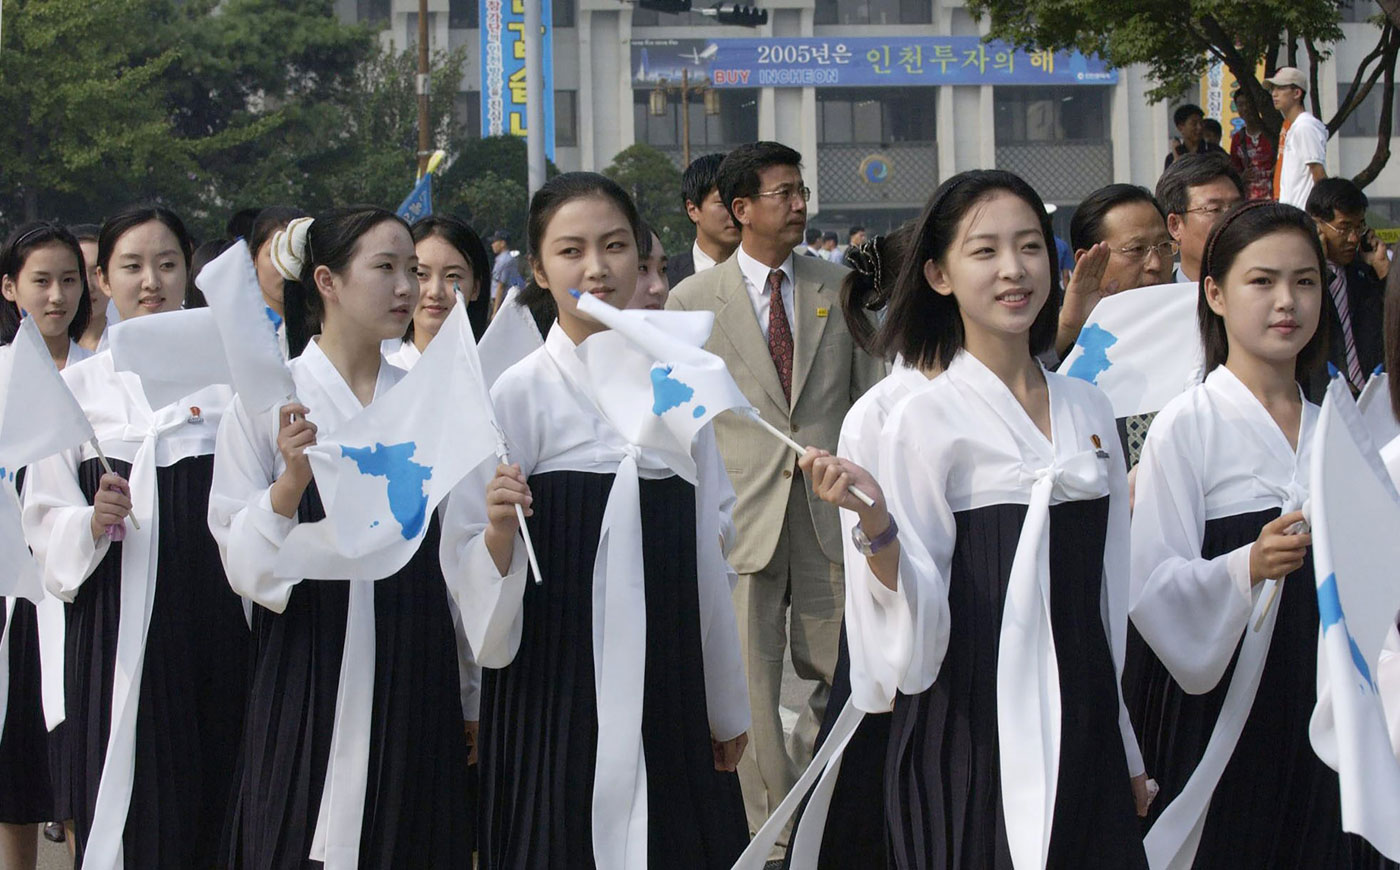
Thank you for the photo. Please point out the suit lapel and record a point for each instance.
(808, 297)
(736, 319)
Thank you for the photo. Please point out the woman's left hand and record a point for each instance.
(728, 752)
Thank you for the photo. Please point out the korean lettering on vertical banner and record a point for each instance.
(1217, 89)
(503, 69)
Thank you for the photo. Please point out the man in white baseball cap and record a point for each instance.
(1302, 145)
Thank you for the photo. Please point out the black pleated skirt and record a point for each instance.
(539, 719)
(193, 683)
(25, 792)
(1277, 805)
(942, 782)
(854, 837)
(416, 808)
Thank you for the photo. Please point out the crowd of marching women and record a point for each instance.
(538, 654)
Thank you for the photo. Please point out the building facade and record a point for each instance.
(872, 154)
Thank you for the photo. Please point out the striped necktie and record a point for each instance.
(1339, 298)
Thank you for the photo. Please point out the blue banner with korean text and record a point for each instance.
(503, 69)
(859, 61)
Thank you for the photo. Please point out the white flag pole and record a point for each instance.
(772, 430)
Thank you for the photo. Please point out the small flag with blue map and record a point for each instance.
(384, 471)
(658, 386)
(1141, 347)
(1356, 556)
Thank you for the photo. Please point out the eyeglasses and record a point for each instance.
(1212, 210)
(788, 192)
(1137, 253)
(1359, 232)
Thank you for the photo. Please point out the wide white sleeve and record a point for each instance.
(726, 688)
(1191, 611)
(490, 603)
(241, 519)
(57, 522)
(1113, 594)
(1388, 682)
(898, 637)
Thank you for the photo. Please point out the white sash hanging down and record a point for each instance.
(139, 549)
(1028, 695)
(52, 632)
(1176, 835)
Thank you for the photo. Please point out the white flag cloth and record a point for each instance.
(1376, 413)
(255, 360)
(38, 418)
(1355, 512)
(174, 353)
(381, 475)
(511, 336)
(1141, 347)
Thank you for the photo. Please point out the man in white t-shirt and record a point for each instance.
(1302, 144)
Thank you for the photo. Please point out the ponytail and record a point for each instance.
(874, 266)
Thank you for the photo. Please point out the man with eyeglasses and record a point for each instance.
(1195, 192)
(779, 328)
(1358, 264)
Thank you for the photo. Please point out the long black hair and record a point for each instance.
(462, 237)
(1392, 337)
(926, 327)
(331, 241)
(1238, 229)
(552, 196)
(26, 239)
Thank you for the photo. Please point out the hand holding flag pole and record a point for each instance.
(116, 531)
(801, 451)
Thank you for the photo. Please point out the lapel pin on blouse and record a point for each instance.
(195, 415)
(821, 312)
(1098, 447)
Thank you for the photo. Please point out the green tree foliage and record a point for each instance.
(655, 185)
(486, 185)
(1177, 40)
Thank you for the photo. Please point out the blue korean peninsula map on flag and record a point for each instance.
(405, 481)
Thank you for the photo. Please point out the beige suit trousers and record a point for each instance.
(799, 597)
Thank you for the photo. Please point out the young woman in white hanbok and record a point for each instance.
(42, 276)
(1223, 688)
(991, 610)
(357, 285)
(451, 258)
(614, 707)
(155, 654)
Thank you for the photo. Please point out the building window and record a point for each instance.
(373, 10)
(1366, 120)
(466, 111)
(873, 12)
(1356, 11)
(870, 116)
(651, 18)
(563, 13)
(565, 119)
(463, 14)
(1070, 114)
(736, 123)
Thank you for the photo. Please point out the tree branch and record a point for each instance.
(1260, 104)
(1363, 77)
(1387, 122)
(1316, 98)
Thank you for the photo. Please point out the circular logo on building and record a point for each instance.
(875, 169)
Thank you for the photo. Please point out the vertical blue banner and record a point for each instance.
(503, 69)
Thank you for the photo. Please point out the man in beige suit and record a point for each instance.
(778, 326)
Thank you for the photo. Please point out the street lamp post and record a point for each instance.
(660, 97)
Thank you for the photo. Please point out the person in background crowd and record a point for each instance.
(1212, 133)
(855, 237)
(1252, 152)
(830, 250)
(1357, 264)
(1129, 228)
(505, 270)
(1302, 145)
(202, 256)
(86, 234)
(1190, 124)
(716, 235)
(451, 258)
(653, 287)
(268, 222)
(240, 223)
(1194, 193)
(780, 329)
(813, 247)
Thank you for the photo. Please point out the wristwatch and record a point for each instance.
(869, 546)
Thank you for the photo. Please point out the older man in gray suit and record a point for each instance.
(779, 327)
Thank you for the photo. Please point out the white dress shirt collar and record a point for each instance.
(756, 282)
(701, 259)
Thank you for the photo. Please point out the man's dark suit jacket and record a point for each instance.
(1366, 304)
(680, 267)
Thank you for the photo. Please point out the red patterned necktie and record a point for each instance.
(780, 333)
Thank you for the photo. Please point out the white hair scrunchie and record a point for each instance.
(288, 250)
